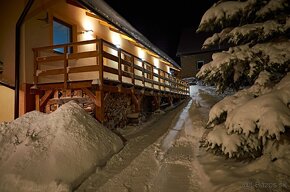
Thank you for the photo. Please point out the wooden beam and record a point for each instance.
(71, 85)
(45, 98)
(89, 93)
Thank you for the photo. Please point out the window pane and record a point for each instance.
(61, 34)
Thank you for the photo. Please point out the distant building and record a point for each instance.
(192, 57)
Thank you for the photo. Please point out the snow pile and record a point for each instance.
(53, 152)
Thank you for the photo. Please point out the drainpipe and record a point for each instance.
(17, 55)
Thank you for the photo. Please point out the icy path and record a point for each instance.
(163, 155)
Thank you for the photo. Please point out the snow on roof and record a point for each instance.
(105, 11)
(53, 152)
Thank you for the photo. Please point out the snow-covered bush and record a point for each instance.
(258, 60)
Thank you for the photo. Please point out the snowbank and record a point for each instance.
(53, 152)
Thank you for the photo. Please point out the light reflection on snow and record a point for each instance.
(171, 135)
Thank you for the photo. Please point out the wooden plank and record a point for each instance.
(138, 67)
(51, 47)
(50, 58)
(110, 56)
(124, 62)
(127, 74)
(51, 72)
(139, 77)
(110, 70)
(83, 55)
(82, 69)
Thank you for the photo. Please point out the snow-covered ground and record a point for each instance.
(163, 155)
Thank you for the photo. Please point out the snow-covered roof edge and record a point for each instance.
(109, 14)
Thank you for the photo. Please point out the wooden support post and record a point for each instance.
(37, 101)
(100, 106)
(157, 101)
(137, 100)
(170, 100)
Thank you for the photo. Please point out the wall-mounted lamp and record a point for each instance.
(87, 31)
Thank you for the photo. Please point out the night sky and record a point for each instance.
(162, 23)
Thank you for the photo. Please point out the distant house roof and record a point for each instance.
(190, 43)
(102, 9)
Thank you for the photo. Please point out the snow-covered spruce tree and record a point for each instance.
(257, 66)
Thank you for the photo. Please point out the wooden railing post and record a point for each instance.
(159, 82)
(143, 73)
(65, 66)
(119, 66)
(35, 77)
(152, 75)
(133, 70)
(101, 65)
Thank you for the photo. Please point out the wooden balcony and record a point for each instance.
(98, 62)
(94, 69)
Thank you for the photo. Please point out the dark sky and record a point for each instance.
(162, 21)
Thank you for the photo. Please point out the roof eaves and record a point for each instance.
(102, 9)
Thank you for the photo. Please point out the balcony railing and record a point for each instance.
(100, 61)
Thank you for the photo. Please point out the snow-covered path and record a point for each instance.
(163, 155)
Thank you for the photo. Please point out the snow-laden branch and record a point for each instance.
(254, 33)
(273, 6)
(219, 111)
(269, 113)
(244, 63)
(223, 13)
(250, 121)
